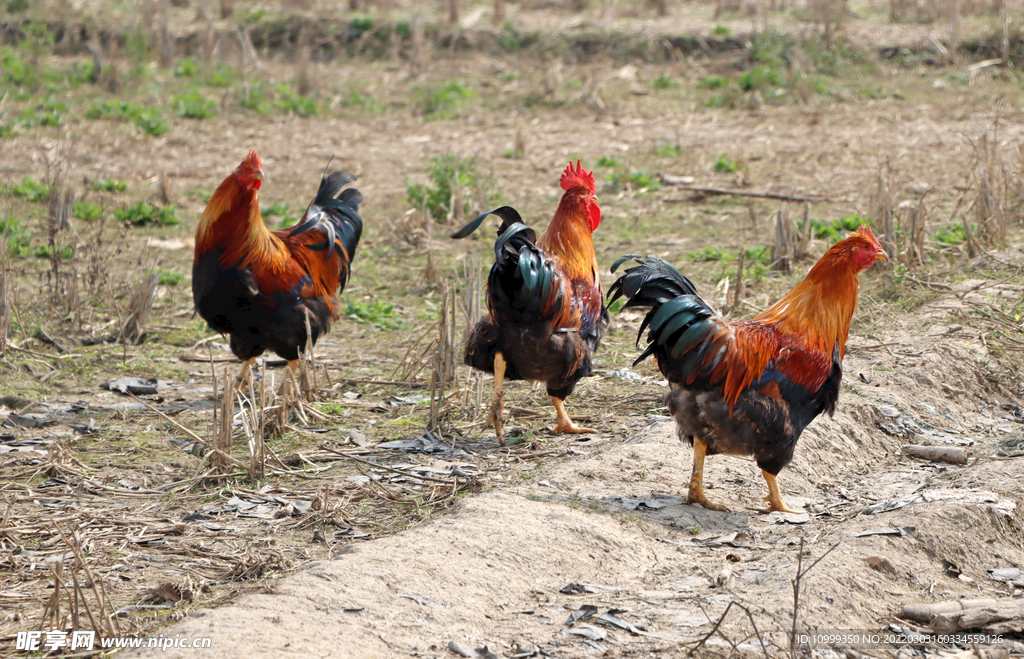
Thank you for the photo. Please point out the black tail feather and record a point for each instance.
(336, 215)
(508, 215)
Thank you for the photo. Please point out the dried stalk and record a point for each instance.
(133, 328)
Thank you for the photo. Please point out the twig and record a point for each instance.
(453, 483)
(742, 193)
(194, 437)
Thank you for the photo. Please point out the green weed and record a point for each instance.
(360, 25)
(292, 103)
(170, 278)
(446, 173)
(186, 68)
(712, 253)
(43, 113)
(443, 101)
(951, 234)
(722, 31)
(220, 76)
(609, 161)
(148, 120)
(256, 100)
(666, 150)
(713, 82)
(380, 314)
(193, 105)
(724, 166)
(663, 81)
(32, 190)
(86, 211)
(833, 230)
(142, 214)
(65, 253)
(17, 236)
(109, 185)
(760, 78)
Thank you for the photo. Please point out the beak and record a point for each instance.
(882, 255)
(259, 175)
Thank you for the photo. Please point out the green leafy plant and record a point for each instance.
(760, 78)
(186, 68)
(148, 120)
(220, 76)
(109, 185)
(65, 253)
(17, 236)
(722, 31)
(292, 103)
(609, 161)
(724, 166)
(193, 105)
(713, 253)
(31, 190)
(666, 150)
(256, 99)
(87, 211)
(713, 82)
(448, 172)
(380, 314)
(951, 234)
(833, 230)
(663, 81)
(443, 101)
(142, 214)
(43, 113)
(360, 25)
(170, 278)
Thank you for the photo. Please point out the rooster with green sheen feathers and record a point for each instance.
(749, 387)
(546, 311)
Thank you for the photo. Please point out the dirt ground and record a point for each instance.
(610, 518)
(364, 538)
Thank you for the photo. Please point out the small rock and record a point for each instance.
(880, 563)
(924, 379)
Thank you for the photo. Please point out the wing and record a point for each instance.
(696, 347)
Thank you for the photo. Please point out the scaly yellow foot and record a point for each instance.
(243, 375)
(562, 421)
(696, 493)
(497, 410)
(774, 497)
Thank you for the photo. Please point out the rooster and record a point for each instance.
(546, 312)
(749, 387)
(261, 286)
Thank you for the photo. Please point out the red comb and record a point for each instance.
(254, 159)
(574, 178)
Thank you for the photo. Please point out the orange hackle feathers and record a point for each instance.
(232, 224)
(812, 319)
(568, 238)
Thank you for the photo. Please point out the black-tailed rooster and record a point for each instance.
(546, 312)
(749, 387)
(258, 285)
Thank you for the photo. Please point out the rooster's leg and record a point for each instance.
(774, 497)
(696, 493)
(243, 375)
(494, 417)
(562, 421)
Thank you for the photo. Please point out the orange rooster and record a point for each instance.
(544, 298)
(259, 286)
(751, 387)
